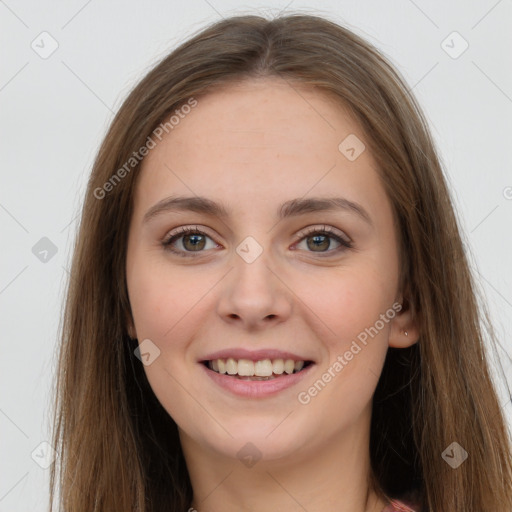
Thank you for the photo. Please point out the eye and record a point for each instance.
(189, 239)
(319, 240)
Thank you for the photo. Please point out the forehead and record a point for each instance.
(264, 114)
(265, 139)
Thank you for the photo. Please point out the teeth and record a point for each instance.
(231, 366)
(289, 366)
(246, 368)
(264, 368)
(278, 366)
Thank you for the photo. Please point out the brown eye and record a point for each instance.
(194, 242)
(188, 240)
(321, 241)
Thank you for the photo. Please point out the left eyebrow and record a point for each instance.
(291, 208)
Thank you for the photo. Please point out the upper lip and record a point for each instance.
(253, 355)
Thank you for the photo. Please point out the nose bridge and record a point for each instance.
(253, 293)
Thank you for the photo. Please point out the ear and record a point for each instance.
(130, 327)
(405, 321)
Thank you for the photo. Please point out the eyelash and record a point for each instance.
(325, 230)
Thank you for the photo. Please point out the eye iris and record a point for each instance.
(318, 238)
(197, 244)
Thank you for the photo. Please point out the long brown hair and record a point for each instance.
(119, 449)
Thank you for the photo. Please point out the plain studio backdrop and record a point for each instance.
(66, 68)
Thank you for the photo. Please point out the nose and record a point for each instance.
(254, 296)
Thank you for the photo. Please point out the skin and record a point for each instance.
(253, 146)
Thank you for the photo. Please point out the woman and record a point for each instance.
(270, 305)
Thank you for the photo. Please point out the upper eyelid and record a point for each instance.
(331, 231)
(304, 232)
(184, 230)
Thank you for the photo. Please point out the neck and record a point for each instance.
(333, 475)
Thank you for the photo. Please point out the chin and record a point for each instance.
(265, 440)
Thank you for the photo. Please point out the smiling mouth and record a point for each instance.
(265, 369)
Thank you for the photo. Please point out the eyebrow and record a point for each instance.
(291, 208)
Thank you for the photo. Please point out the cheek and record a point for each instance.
(350, 304)
(166, 306)
(162, 297)
(350, 301)
(150, 303)
(169, 307)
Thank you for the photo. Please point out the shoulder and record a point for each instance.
(401, 506)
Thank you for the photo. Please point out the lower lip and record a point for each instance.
(256, 388)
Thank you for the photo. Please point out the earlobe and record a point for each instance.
(404, 330)
(404, 339)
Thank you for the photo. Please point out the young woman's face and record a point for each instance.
(252, 281)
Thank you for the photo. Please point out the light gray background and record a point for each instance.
(55, 112)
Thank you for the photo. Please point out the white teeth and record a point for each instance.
(278, 366)
(298, 366)
(231, 366)
(289, 366)
(246, 368)
(264, 368)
